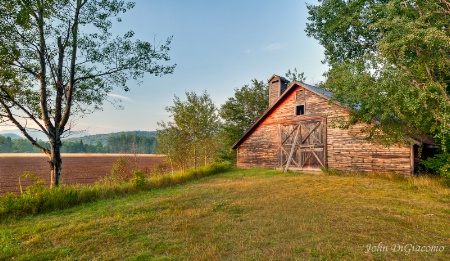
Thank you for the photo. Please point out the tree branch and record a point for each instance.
(66, 114)
(42, 76)
(52, 67)
(59, 84)
(27, 112)
(28, 70)
(112, 71)
(22, 129)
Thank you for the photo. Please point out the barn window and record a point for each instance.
(300, 110)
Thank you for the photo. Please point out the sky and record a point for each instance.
(218, 46)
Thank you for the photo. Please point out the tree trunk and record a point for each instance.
(171, 163)
(55, 162)
(195, 157)
(206, 159)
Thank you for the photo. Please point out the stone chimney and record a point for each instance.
(277, 86)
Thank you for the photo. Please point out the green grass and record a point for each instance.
(245, 215)
(40, 199)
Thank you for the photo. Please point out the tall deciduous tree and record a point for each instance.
(242, 110)
(172, 142)
(390, 63)
(58, 58)
(195, 125)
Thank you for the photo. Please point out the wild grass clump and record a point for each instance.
(332, 172)
(191, 174)
(37, 198)
(62, 197)
(423, 182)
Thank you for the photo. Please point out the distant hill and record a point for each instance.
(11, 135)
(103, 138)
(33, 133)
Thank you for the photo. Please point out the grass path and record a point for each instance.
(246, 215)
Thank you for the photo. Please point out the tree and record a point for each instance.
(99, 147)
(130, 143)
(389, 64)
(58, 58)
(195, 123)
(6, 144)
(294, 75)
(174, 143)
(242, 110)
(81, 147)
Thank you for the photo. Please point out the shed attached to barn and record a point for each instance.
(297, 131)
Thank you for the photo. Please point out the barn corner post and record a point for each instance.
(280, 145)
(325, 142)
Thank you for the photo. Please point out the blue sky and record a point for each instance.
(218, 46)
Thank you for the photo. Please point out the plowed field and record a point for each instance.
(76, 168)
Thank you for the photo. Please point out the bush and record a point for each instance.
(37, 184)
(439, 164)
(160, 169)
(121, 170)
(139, 179)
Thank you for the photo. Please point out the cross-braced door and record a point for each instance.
(303, 145)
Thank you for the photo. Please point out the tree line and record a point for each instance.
(201, 132)
(121, 143)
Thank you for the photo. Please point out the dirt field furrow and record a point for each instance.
(76, 168)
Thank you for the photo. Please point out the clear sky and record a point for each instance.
(218, 46)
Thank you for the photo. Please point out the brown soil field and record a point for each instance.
(76, 168)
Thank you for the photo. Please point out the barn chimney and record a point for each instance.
(277, 85)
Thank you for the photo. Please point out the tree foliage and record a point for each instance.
(172, 143)
(294, 75)
(242, 110)
(390, 64)
(130, 143)
(58, 58)
(191, 137)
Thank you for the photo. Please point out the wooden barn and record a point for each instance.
(297, 132)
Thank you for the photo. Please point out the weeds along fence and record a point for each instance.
(37, 198)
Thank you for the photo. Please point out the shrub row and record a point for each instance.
(39, 199)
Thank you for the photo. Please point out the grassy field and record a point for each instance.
(247, 215)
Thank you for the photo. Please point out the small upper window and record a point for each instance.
(300, 110)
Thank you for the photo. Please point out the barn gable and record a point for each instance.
(297, 132)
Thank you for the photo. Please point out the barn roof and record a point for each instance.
(289, 90)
